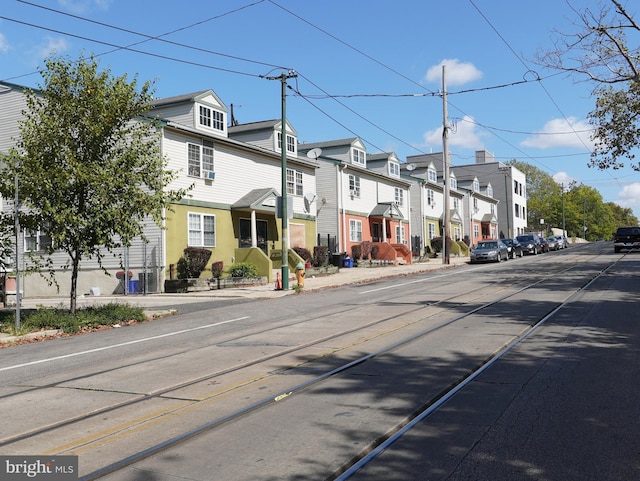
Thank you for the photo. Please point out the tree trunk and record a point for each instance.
(74, 284)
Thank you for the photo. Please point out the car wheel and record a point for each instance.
(521, 254)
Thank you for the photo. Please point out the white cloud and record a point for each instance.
(565, 179)
(52, 46)
(4, 45)
(463, 134)
(457, 72)
(629, 196)
(83, 6)
(570, 133)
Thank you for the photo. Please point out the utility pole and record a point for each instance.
(283, 161)
(564, 228)
(445, 158)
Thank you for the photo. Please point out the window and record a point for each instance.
(476, 231)
(431, 230)
(431, 198)
(432, 175)
(400, 239)
(202, 230)
(294, 182)
(358, 156)
(211, 119)
(394, 169)
(475, 205)
(291, 143)
(490, 190)
(355, 230)
(493, 209)
(476, 185)
(456, 203)
(453, 183)
(517, 209)
(37, 241)
(200, 159)
(399, 196)
(354, 185)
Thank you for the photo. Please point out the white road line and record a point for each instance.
(114, 346)
(425, 279)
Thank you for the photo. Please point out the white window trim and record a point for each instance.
(202, 172)
(295, 184)
(292, 144)
(201, 232)
(355, 230)
(38, 235)
(358, 157)
(216, 118)
(355, 189)
(399, 196)
(394, 169)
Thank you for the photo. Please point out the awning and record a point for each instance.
(259, 200)
(386, 210)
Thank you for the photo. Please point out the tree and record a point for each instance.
(599, 51)
(544, 197)
(89, 164)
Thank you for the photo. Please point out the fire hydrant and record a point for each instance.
(300, 274)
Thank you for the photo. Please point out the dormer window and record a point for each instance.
(291, 143)
(358, 157)
(210, 118)
(476, 185)
(489, 190)
(453, 183)
(394, 169)
(432, 175)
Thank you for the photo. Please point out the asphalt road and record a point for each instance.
(559, 406)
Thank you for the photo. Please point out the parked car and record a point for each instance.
(562, 241)
(553, 243)
(514, 248)
(489, 251)
(530, 243)
(626, 238)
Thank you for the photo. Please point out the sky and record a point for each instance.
(358, 68)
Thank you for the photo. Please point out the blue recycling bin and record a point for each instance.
(134, 287)
(347, 262)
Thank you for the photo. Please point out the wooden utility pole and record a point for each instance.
(445, 159)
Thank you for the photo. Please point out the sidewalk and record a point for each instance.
(344, 276)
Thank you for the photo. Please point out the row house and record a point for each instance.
(508, 184)
(427, 200)
(362, 198)
(236, 179)
(472, 209)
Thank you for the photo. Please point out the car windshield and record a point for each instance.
(525, 238)
(487, 245)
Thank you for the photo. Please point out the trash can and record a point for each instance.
(347, 262)
(134, 287)
(336, 259)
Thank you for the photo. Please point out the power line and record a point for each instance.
(121, 47)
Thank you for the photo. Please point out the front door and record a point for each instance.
(245, 234)
(376, 232)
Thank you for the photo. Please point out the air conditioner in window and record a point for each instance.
(354, 193)
(208, 174)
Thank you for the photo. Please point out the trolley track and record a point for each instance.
(283, 395)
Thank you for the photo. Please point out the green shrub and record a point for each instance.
(85, 318)
(193, 262)
(320, 256)
(244, 269)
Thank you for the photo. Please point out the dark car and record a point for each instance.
(554, 244)
(530, 243)
(489, 251)
(514, 248)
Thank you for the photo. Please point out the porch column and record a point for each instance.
(384, 229)
(254, 230)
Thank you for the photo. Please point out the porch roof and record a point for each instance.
(261, 200)
(489, 219)
(387, 210)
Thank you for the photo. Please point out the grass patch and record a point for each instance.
(87, 318)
